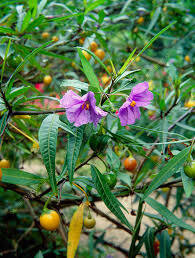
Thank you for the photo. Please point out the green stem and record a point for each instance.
(136, 230)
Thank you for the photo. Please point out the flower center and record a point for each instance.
(133, 103)
(85, 105)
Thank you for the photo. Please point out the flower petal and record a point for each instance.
(70, 99)
(141, 95)
(126, 116)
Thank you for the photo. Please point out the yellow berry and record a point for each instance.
(140, 20)
(86, 55)
(55, 38)
(47, 79)
(45, 35)
(93, 46)
(187, 59)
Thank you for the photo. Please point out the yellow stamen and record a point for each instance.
(83, 106)
(133, 103)
(87, 106)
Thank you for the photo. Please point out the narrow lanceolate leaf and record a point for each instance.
(3, 122)
(73, 148)
(74, 233)
(107, 196)
(92, 78)
(187, 184)
(47, 141)
(161, 209)
(126, 64)
(167, 171)
(19, 177)
(165, 245)
(149, 241)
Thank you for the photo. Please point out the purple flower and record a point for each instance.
(140, 96)
(81, 110)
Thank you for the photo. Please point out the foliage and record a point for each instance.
(105, 47)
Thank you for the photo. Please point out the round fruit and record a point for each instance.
(151, 112)
(109, 67)
(50, 220)
(47, 79)
(156, 246)
(187, 59)
(137, 59)
(0, 174)
(45, 35)
(190, 169)
(111, 179)
(100, 53)
(93, 46)
(4, 163)
(86, 55)
(140, 20)
(190, 103)
(89, 222)
(55, 38)
(105, 79)
(14, 60)
(98, 142)
(130, 163)
(81, 41)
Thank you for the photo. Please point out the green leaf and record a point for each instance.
(167, 171)
(96, 58)
(149, 241)
(153, 39)
(7, 30)
(34, 52)
(113, 160)
(76, 84)
(39, 255)
(26, 21)
(19, 177)
(47, 142)
(93, 5)
(163, 211)
(7, 51)
(165, 245)
(187, 184)
(18, 91)
(73, 148)
(65, 127)
(93, 80)
(125, 178)
(3, 122)
(126, 64)
(154, 19)
(107, 196)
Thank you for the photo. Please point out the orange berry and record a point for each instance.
(81, 41)
(55, 38)
(50, 220)
(130, 163)
(93, 46)
(105, 79)
(100, 53)
(187, 59)
(4, 163)
(109, 67)
(86, 55)
(140, 20)
(45, 35)
(47, 79)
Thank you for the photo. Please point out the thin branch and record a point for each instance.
(101, 213)
(60, 110)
